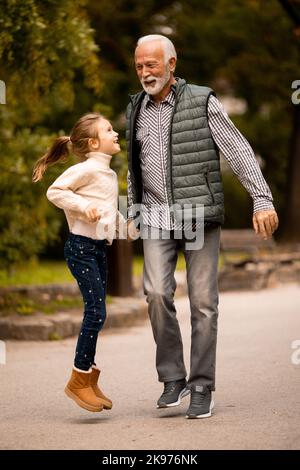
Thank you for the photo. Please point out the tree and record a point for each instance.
(44, 45)
(118, 25)
(245, 48)
(292, 221)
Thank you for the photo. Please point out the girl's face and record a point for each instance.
(108, 139)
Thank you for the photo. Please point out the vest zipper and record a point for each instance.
(170, 155)
(170, 164)
(209, 186)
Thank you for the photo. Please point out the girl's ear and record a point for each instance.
(94, 144)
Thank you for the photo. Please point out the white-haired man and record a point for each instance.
(174, 133)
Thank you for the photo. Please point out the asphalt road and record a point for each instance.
(257, 397)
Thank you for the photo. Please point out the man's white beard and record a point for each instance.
(159, 83)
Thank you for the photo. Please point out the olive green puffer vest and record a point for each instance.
(193, 164)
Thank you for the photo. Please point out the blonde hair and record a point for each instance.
(85, 128)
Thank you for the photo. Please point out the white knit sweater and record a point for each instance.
(92, 181)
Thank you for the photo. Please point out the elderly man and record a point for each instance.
(174, 133)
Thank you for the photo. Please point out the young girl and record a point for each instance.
(87, 192)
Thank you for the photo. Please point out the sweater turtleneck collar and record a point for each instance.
(103, 160)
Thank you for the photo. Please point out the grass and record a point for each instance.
(44, 272)
(26, 307)
(37, 272)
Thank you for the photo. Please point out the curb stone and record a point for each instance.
(42, 327)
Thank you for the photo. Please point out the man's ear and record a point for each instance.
(172, 64)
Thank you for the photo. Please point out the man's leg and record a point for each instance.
(160, 257)
(202, 278)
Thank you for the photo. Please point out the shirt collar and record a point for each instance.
(170, 98)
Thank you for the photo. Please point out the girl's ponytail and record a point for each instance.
(58, 152)
(87, 127)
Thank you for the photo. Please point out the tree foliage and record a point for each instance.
(43, 46)
(60, 59)
(245, 48)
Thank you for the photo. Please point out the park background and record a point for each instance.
(61, 59)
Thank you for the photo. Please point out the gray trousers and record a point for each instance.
(160, 257)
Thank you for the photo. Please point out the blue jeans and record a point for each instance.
(86, 259)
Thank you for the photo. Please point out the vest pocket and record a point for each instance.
(208, 184)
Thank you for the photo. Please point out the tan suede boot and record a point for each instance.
(79, 389)
(107, 403)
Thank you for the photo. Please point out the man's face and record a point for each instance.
(151, 67)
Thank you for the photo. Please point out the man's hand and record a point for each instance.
(92, 213)
(265, 223)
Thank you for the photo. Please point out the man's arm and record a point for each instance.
(240, 157)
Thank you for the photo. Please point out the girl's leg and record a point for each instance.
(102, 266)
(82, 256)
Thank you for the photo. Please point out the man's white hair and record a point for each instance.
(168, 46)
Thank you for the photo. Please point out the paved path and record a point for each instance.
(257, 398)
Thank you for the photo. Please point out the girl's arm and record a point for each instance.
(62, 193)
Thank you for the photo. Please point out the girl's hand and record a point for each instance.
(132, 232)
(92, 213)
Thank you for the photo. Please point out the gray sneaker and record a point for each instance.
(173, 393)
(201, 404)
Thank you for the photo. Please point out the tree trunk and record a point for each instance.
(120, 259)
